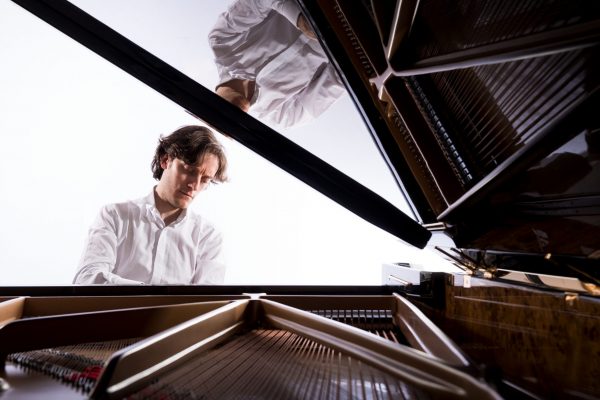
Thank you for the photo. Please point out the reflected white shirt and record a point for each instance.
(258, 40)
(130, 244)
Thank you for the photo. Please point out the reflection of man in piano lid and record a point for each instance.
(271, 64)
(157, 239)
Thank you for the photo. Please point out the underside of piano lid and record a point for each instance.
(487, 112)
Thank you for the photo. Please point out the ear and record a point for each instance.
(164, 161)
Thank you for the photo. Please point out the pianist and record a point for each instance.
(157, 239)
(271, 64)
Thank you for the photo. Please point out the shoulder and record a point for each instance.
(119, 207)
(121, 210)
(203, 227)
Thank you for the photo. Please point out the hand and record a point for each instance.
(238, 92)
(305, 28)
(234, 97)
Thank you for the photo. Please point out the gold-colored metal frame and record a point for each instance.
(178, 327)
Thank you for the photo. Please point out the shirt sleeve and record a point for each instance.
(210, 264)
(299, 108)
(99, 255)
(231, 34)
(288, 8)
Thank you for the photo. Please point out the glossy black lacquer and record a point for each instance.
(487, 112)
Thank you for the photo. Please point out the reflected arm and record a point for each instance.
(231, 36)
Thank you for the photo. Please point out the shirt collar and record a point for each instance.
(148, 203)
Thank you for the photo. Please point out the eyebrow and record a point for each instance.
(211, 177)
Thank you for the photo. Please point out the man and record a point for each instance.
(271, 64)
(156, 239)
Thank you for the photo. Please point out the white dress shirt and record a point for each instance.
(258, 40)
(129, 244)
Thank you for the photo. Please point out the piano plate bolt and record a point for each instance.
(571, 298)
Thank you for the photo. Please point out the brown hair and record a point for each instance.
(190, 144)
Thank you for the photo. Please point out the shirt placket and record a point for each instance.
(158, 264)
(160, 260)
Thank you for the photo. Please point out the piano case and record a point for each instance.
(486, 111)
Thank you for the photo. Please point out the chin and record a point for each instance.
(185, 204)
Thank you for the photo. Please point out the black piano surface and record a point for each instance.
(487, 111)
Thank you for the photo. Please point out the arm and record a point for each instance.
(290, 10)
(210, 266)
(305, 27)
(99, 256)
(234, 35)
(317, 96)
(238, 92)
(243, 15)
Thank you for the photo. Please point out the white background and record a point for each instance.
(77, 132)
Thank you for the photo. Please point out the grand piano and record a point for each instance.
(486, 112)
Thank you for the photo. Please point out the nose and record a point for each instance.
(195, 182)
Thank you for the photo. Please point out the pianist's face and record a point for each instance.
(181, 182)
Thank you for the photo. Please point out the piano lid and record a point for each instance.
(488, 112)
(484, 111)
(227, 119)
